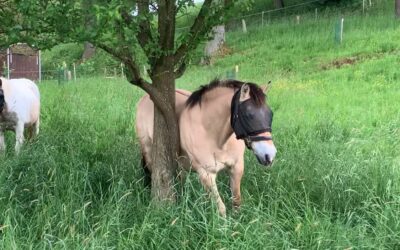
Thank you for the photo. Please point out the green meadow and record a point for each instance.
(335, 183)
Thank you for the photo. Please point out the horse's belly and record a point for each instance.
(8, 121)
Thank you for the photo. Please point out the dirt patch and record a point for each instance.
(338, 63)
(223, 51)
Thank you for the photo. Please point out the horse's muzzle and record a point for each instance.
(266, 161)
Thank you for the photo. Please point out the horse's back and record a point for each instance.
(23, 98)
(25, 85)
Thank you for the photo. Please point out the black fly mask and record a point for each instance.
(248, 120)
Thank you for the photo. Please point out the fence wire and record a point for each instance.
(298, 13)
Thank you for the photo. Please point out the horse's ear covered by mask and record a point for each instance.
(244, 93)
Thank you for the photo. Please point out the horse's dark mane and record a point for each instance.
(256, 93)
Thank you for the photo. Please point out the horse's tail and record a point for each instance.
(147, 173)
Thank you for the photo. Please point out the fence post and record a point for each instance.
(236, 71)
(40, 65)
(363, 6)
(8, 62)
(244, 26)
(74, 71)
(341, 29)
(316, 13)
(122, 70)
(298, 19)
(269, 17)
(262, 19)
(4, 70)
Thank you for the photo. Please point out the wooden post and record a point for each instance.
(269, 17)
(341, 30)
(9, 61)
(74, 66)
(40, 65)
(298, 19)
(236, 71)
(370, 3)
(316, 13)
(244, 26)
(105, 72)
(363, 6)
(122, 70)
(262, 19)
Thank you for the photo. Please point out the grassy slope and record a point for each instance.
(335, 183)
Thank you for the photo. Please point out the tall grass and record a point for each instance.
(334, 185)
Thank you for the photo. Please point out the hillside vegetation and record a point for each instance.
(335, 183)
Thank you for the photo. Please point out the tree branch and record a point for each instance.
(144, 34)
(181, 69)
(133, 72)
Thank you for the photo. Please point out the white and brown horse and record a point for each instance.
(216, 123)
(19, 109)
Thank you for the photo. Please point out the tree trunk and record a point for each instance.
(279, 4)
(88, 51)
(165, 146)
(214, 45)
(397, 8)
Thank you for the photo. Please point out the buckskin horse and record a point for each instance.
(216, 122)
(19, 109)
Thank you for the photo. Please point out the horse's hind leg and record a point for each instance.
(33, 130)
(2, 143)
(146, 160)
(147, 173)
(19, 137)
(35, 127)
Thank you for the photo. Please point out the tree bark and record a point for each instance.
(163, 167)
(214, 45)
(397, 8)
(165, 146)
(88, 51)
(279, 4)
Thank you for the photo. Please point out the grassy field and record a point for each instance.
(335, 183)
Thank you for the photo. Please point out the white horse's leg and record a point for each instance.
(36, 126)
(2, 143)
(209, 183)
(236, 174)
(19, 137)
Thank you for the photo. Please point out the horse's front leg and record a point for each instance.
(209, 182)
(236, 174)
(19, 137)
(2, 143)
